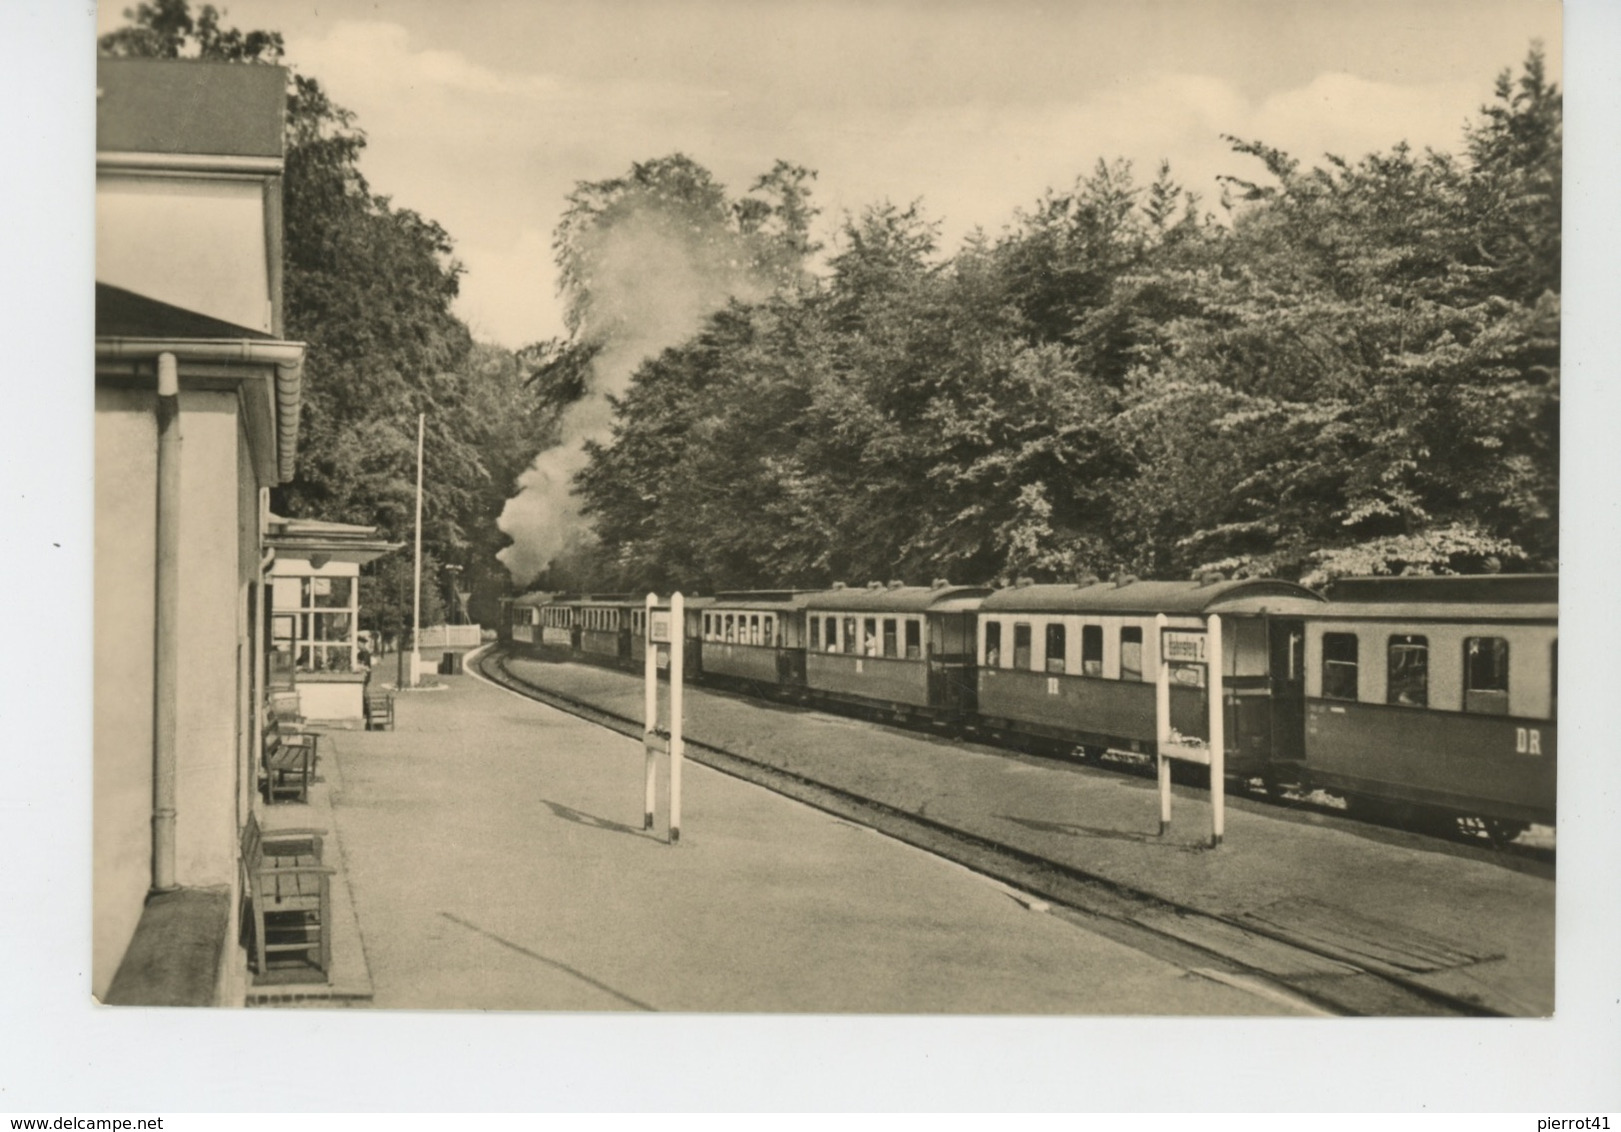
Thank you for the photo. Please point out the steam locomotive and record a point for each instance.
(1424, 698)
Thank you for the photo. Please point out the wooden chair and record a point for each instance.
(289, 760)
(290, 895)
(379, 710)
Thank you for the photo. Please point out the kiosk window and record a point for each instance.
(1408, 666)
(993, 644)
(1339, 666)
(1485, 675)
(1055, 648)
(1131, 652)
(1091, 650)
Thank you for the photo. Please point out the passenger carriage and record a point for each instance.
(903, 648)
(1438, 693)
(559, 630)
(1079, 663)
(605, 627)
(520, 618)
(756, 637)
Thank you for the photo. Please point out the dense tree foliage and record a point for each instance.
(1359, 372)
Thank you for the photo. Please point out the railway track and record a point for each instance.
(1315, 973)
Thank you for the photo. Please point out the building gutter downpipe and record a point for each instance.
(166, 655)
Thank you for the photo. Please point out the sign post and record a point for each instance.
(1162, 733)
(1218, 738)
(650, 732)
(665, 645)
(1199, 659)
(677, 647)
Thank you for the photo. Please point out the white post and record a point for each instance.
(1218, 734)
(416, 592)
(1162, 717)
(678, 635)
(650, 733)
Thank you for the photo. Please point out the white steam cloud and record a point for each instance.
(653, 280)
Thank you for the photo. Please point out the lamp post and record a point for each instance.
(416, 591)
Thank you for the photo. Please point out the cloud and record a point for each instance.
(376, 58)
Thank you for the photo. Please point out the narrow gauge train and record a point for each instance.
(1426, 697)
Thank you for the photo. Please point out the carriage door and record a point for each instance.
(1287, 646)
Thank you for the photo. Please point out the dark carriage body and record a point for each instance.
(1437, 692)
(1078, 663)
(907, 649)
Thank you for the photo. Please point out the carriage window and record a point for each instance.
(754, 628)
(1131, 652)
(1055, 648)
(831, 642)
(852, 643)
(768, 630)
(731, 628)
(1021, 646)
(914, 640)
(1092, 650)
(891, 642)
(993, 644)
(869, 637)
(1408, 672)
(1485, 675)
(1339, 666)
(815, 633)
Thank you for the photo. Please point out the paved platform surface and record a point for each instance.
(1457, 921)
(495, 854)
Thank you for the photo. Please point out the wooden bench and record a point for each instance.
(379, 710)
(289, 891)
(289, 761)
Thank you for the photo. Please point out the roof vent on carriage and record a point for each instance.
(839, 586)
(1086, 580)
(896, 584)
(1121, 579)
(1210, 577)
(939, 584)
(1023, 582)
(875, 587)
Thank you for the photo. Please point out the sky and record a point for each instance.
(484, 114)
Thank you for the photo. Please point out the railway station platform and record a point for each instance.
(492, 857)
(1470, 924)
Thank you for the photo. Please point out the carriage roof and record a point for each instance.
(1131, 596)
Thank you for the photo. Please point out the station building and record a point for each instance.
(196, 417)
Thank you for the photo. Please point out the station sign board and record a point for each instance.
(1181, 646)
(658, 627)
